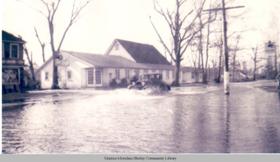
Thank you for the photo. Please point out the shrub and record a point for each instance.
(113, 83)
(123, 83)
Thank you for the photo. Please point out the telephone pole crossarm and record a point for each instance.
(226, 8)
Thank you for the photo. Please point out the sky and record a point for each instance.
(105, 20)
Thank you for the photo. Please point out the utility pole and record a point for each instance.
(225, 45)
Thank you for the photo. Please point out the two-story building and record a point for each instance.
(12, 63)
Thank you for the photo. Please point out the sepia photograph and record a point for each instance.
(140, 77)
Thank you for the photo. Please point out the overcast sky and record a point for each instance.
(104, 20)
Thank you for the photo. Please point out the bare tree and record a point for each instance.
(233, 53)
(201, 44)
(218, 44)
(30, 62)
(182, 29)
(42, 44)
(50, 15)
(195, 61)
(256, 60)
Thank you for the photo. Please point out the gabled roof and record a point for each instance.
(111, 61)
(143, 53)
(99, 60)
(10, 37)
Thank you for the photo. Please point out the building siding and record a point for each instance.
(118, 50)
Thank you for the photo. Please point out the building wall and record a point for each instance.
(76, 67)
(187, 77)
(191, 77)
(110, 73)
(46, 81)
(167, 76)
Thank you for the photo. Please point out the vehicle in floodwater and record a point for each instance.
(151, 82)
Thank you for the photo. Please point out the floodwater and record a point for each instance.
(186, 120)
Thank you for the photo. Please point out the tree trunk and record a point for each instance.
(177, 76)
(255, 63)
(233, 67)
(254, 75)
(54, 55)
(205, 75)
(30, 65)
(43, 53)
(55, 72)
(275, 61)
(200, 50)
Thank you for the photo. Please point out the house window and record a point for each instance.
(97, 76)
(117, 73)
(14, 50)
(46, 75)
(6, 50)
(90, 76)
(127, 73)
(69, 75)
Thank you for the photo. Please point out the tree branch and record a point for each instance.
(54, 9)
(41, 43)
(74, 16)
(162, 42)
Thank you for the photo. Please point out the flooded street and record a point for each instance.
(187, 120)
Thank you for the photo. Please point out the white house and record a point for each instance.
(123, 60)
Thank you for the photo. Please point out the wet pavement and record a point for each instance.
(196, 119)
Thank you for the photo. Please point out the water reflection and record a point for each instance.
(178, 126)
(227, 125)
(121, 121)
(271, 139)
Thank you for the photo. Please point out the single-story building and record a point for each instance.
(122, 61)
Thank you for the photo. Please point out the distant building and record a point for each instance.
(12, 63)
(272, 64)
(122, 61)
